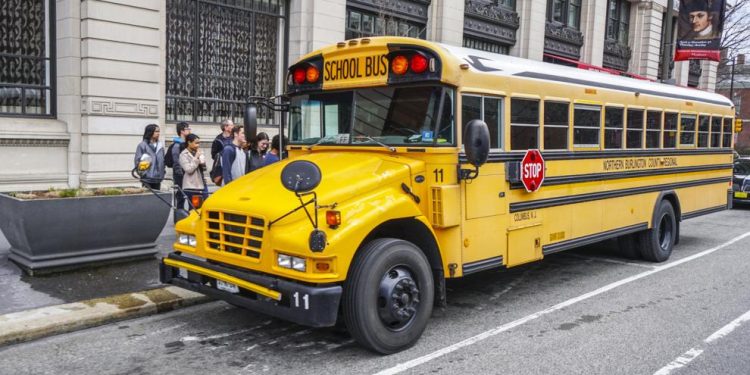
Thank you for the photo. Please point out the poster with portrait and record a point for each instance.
(700, 23)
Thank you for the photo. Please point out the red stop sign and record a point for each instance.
(532, 170)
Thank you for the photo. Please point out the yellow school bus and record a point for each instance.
(407, 166)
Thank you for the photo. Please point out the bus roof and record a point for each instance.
(503, 65)
(481, 62)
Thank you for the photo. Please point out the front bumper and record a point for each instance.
(315, 306)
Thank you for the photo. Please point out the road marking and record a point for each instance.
(693, 353)
(610, 260)
(505, 327)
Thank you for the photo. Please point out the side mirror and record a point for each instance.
(477, 142)
(251, 120)
(300, 176)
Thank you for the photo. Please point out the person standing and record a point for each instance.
(233, 157)
(275, 154)
(178, 145)
(222, 140)
(257, 151)
(193, 163)
(151, 146)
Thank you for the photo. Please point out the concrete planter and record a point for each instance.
(47, 235)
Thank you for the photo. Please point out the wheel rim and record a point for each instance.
(398, 298)
(665, 232)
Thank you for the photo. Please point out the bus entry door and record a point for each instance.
(484, 226)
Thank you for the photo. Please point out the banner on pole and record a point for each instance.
(700, 23)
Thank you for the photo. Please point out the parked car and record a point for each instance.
(741, 180)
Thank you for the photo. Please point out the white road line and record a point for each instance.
(727, 329)
(610, 260)
(693, 353)
(505, 327)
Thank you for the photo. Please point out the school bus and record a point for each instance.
(407, 167)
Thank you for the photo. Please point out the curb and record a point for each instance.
(53, 320)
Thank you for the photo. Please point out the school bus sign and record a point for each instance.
(532, 170)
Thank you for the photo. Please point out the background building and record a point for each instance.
(739, 84)
(80, 79)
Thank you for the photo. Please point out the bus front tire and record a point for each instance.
(388, 296)
(657, 242)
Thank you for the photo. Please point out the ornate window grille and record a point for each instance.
(221, 52)
(616, 50)
(366, 18)
(27, 58)
(562, 36)
(490, 25)
(694, 73)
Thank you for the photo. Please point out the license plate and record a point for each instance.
(740, 194)
(183, 273)
(227, 287)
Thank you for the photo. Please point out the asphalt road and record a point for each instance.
(585, 311)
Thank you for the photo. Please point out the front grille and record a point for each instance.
(235, 233)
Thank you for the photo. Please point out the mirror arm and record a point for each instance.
(468, 174)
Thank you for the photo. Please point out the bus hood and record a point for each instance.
(345, 175)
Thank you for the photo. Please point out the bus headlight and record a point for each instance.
(298, 264)
(187, 239)
(291, 262)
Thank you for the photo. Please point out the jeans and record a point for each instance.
(179, 199)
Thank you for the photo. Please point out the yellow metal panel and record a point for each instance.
(524, 244)
(445, 206)
(483, 196)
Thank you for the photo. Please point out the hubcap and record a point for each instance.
(398, 298)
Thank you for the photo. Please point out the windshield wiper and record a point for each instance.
(319, 141)
(389, 148)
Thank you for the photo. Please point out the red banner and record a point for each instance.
(700, 23)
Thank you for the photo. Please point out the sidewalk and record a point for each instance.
(19, 292)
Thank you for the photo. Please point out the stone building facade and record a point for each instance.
(80, 79)
(739, 85)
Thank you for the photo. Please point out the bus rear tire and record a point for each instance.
(388, 296)
(657, 243)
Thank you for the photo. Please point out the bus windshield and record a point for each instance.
(408, 116)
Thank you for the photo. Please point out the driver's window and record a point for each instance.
(488, 109)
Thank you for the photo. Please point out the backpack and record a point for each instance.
(217, 171)
(168, 158)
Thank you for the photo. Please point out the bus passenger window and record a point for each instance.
(670, 130)
(635, 128)
(726, 133)
(715, 131)
(493, 118)
(703, 121)
(524, 124)
(687, 130)
(613, 119)
(487, 109)
(556, 120)
(653, 129)
(586, 125)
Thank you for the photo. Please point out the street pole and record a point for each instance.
(731, 85)
(666, 45)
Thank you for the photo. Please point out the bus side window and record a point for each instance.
(635, 129)
(687, 130)
(613, 124)
(670, 130)
(586, 125)
(653, 129)
(727, 133)
(715, 131)
(703, 125)
(524, 124)
(487, 109)
(556, 121)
